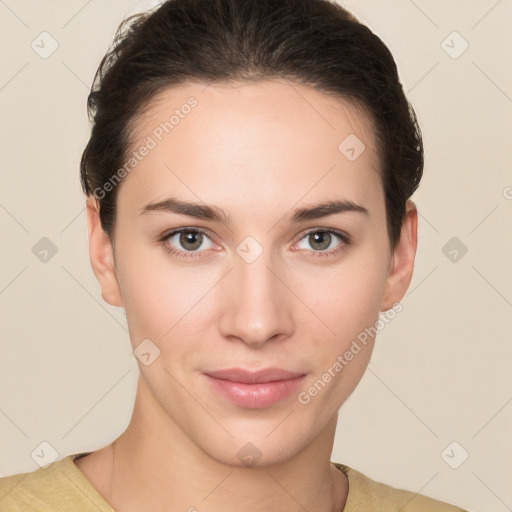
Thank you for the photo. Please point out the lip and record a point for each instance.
(255, 390)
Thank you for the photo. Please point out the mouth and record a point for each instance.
(255, 390)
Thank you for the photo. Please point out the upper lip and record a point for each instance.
(251, 377)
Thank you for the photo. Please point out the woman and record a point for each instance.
(248, 178)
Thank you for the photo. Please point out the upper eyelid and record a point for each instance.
(176, 231)
(344, 236)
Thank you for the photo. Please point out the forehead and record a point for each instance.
(256, 141)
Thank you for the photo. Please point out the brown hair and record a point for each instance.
(313, 42)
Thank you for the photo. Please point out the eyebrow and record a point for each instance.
(216, 214)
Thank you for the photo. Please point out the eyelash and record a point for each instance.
(346, 241)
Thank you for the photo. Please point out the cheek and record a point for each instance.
(148, 294)
(346, 298)
(162, 299)
(349, 304)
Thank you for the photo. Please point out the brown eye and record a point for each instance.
(191, 240)
(324, 242)
(187, 240)
(320, 240)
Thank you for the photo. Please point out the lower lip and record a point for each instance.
(256, 396)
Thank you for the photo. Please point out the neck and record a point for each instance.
(152, 471)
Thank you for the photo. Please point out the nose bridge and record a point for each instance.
(257, 309)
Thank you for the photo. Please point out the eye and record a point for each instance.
(184, 242)
(191, 242)
(325, 242)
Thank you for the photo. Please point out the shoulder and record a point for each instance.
(372, 496)
(56, 487)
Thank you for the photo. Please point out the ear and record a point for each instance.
(101, 254)
(402, 261)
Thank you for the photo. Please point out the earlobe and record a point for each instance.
(101, 254)
(402, 261)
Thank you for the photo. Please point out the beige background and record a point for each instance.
(440, 371)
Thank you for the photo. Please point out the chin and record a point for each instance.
(264, 446)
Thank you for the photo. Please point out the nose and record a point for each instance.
(258, 305)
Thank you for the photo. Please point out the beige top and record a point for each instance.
(62, 487)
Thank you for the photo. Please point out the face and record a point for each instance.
(266, 279)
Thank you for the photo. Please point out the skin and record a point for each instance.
(257, 151)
